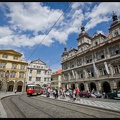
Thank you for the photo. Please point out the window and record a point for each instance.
(79, 62)
(71, 75)
(30, 78)
(4, 56)
(1, 74)
(80, 74)
(38, 71)
(38, 78)
(22, 67)
(71, 64)
(100, 55)
(113, 50)
(89, 59)
(96, 43)
(116, 33)
(45, 79)
(2, 65)
(15, 58)
(12, 74)
(102, 71)
(30, 71)
(116, 69)
(14, 66)
(90, 74)
(21, 75)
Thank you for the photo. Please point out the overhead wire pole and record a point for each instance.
(49, 31)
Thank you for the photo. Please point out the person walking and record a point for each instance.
(77, 94)
(74, 97)
(54, 93)
(92, 94)
(70, 94)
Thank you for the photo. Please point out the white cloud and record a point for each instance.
(5, 31)
(38, 19)
(101, 13)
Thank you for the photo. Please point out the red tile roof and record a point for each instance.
(57, 72)
(107, 35)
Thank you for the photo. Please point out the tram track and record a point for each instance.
(17, 112)
(13, 107)
(88, 108)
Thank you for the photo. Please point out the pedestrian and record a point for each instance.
(54, 93)
(74, 97)
(92, 94)
(70, 94)
(61, 93)
(77, 94)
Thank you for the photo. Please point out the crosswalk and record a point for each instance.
(101, 104)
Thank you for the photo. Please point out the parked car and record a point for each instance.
(115, 94)
(84, 94)
(98, 95)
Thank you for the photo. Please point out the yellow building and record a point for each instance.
(56, 79)
(11, 61)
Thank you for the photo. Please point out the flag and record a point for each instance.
(95, 69)
(106, 67)
(73, 74)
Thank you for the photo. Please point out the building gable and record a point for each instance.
(38, 62)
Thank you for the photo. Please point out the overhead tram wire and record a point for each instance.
(49, 31)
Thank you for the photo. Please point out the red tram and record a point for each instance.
(34, 90)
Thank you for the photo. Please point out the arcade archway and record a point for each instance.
(72, 86)
(10, 86)
(19, 86)
(92, 85)
(106, 87)
(81, 87)
(118, 84)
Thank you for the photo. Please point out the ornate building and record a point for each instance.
(12, 71)
(96, 62)
(38, 73)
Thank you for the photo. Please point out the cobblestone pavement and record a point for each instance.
(96, 103)
(102, 103)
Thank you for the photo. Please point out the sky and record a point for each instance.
(41, 30)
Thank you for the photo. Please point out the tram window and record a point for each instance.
(30, 87)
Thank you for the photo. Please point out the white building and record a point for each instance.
(38, 73)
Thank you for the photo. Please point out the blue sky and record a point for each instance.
(24, 25)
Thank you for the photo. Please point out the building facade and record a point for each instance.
(38, 73)
(56, 79)
(96, 62)
(15, 68)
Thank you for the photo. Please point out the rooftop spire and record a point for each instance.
(114, 16)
